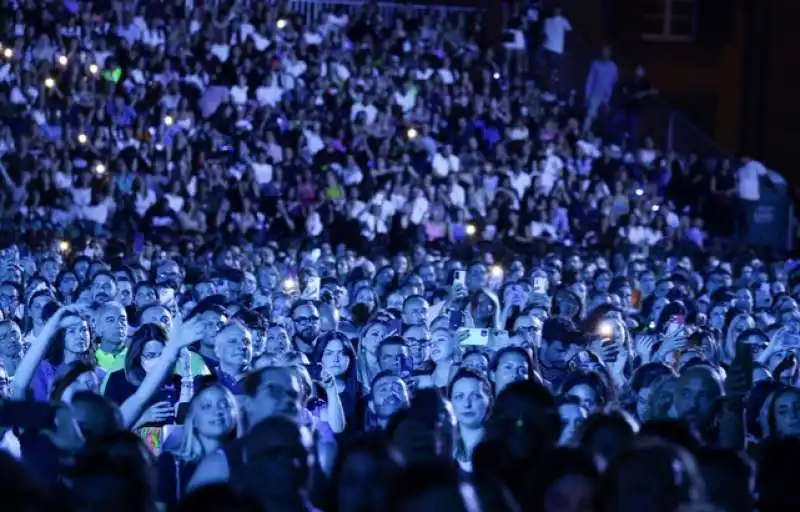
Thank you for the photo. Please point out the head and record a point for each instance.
(394, 355)
(213, 414)
(389, 394)
(104, 287)
(271, 391)
(418, 338)
(233, 346)
(471, 396)
(415, 310)
(144, 351)
(360, 475)
(510, 364)
(697, 396)
(157, 314)
(572, 414)
(305, 316)
(111, 323)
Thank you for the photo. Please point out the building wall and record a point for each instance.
(703, 79)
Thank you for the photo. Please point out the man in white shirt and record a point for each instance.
(369, 110)
(445, 162)
(456, 193)
(555, 28)
(749, 188)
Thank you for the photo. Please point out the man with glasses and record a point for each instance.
(268, 392)
(10, 346)
(9, 299)
(418, 338)
(305, 316)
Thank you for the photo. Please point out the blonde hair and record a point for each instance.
(191, 449)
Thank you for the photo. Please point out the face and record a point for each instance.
(529, 329)
(511, 367)
(716, 318)
(5, 384)
(68, 284)
(10, 340)
(277, 340)
(334, 359)
(9, 300)
(696, 398)
(169, 271)
(572, 416)
(585, 395)
(365, 296)
(373, 336)
(50, 269)
(37, 305)
(602, 282)
(145, 296)
(787, 414)
(214, 414)
(306, 321)
(744, 300)
(555, 354)
(570, 493)
(104, 289)
(442, 348)
(158, 315)
(477, 362)
(477, 277)
(280, 392)
(662, 288)
(234, 346)
(124, 292)
(647, 283)
(112, 324)
(389, 395)
(419, 340)
(415, 312)
(470, 399)
(391, 357)
(76, 335)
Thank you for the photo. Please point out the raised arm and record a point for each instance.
(182, 336)
(27, 367)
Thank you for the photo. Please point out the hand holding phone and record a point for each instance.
(473, 337)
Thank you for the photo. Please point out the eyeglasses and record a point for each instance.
(306, 319)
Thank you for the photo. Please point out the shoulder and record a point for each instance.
(212, 469)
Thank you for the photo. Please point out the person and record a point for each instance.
(471, 396)
(268, 392)
(212, 419)
(600, 82)
(389, 394)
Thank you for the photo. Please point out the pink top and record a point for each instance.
(435, 230)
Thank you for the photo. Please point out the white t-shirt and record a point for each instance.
(749, 186)
(444, 165)
(554, 30)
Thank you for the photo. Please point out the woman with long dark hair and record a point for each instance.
(335, 357)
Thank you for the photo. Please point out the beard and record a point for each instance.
(308, 335)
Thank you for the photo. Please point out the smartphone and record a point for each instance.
(460, 277)
(311, 291)
(456, 319)
(540, 285)
(473, 337)
(499, 337)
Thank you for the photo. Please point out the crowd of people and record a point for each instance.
(251, 261)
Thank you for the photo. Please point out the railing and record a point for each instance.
(669, 128)
(312, 9)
